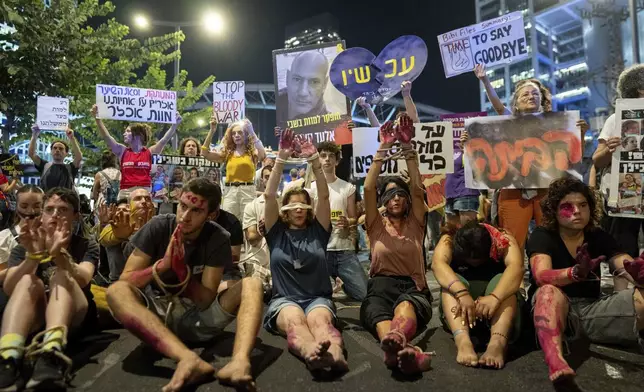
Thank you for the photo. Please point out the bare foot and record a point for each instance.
(562, 374)
(237, 373)
(494, 356)
(391, 344)
(466, 355)
(192, 370)
(411, 360)
(337, 355)
(319, 358)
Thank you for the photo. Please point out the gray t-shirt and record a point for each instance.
(211, 248)
(58, 175)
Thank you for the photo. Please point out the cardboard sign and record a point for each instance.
(136, 104)
(433, 142)
(627, 168)
(356, 72)
(229, 101)
(52, 113)
(525, 152)
(496, 41)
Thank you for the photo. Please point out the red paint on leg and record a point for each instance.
(142, 332)
(407, 326)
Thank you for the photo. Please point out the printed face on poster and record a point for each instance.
(526, 152)
(458, 124)
(306, 102)
(496, 41)
(52, 113)
(433, 142)
(170, 172)
(229, 101)
(136, 104)
(627, 169)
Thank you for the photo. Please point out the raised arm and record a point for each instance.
(116, 147)
(479, 71)
(387, 139)
(405, 134)
(76, 151)
(271, 207)
(35, 132)
(373, 120)
(214, 156)
(410, 106)
(323, 207)
(261, 152)
(158, 147)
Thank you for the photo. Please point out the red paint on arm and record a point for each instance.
(140, 278)
(544, 276)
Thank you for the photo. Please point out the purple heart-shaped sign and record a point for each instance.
(356, 72)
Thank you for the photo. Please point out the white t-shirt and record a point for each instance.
(339, 192)
(7, 243)
(253, 213)
(609, 130)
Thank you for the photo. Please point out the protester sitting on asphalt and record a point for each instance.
(342, 260)
(301, 308)
(565, 256)
(56, 173)
(480, 270)
(398, 302)
(167, 294)
(242, 150)
(135, 157)
(48, 283)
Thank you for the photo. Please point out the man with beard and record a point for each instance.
(56, 173)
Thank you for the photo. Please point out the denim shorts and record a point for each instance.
(277, 304)
(464, 204)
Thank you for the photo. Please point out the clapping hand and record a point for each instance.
(121, 226)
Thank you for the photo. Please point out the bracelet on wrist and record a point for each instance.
(280, 160)
(204, 148)
(497, 298)
(313, 157)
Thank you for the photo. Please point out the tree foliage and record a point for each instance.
(55, 51)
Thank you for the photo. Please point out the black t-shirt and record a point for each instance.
(211, 248)
(549, 243)
(58, 175)
(232, 225)
(81, 249)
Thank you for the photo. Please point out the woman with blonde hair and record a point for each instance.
(241, 151)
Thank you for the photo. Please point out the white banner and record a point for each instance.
(496, 41)
(228, 101)
(136, 104)
(433, 142)
(627, 170)
(52, 113)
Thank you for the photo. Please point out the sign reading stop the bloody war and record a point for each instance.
(433, 142)
(627, 169)
(136, 104)
(496, 41)
(52, 113)
(521, 152)
(228, 101)
(458, 124)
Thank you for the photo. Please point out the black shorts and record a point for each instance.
(384, 293)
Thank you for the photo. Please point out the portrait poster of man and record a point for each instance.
(306, 101)
(524, 152)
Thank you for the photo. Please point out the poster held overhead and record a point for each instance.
(52, 113)
(493, 42)
(458, 124)
(357, 72)
(136, 104)
(305, 100)
(525, 152)
(229, 101)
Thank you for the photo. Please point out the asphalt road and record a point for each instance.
(115, 361)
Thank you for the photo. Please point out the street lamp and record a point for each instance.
(201, 122)
(211, 22)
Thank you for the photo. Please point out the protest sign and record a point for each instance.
(10, 165)
(136, 104)
(356, 72)
(625, 178)
(228, 101)
(496, 41)
(169, 172)
(433, 142)
(52, 113)
(435, 189)
(458, 124)
(305, 100)
(521, 152)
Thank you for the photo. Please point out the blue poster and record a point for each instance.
(356, 72)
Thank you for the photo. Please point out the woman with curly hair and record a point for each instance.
(241, 151)
(625, 230)
(189, 147)
(565, 256)
(517, 207)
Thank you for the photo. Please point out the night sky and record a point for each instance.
(256, 27)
